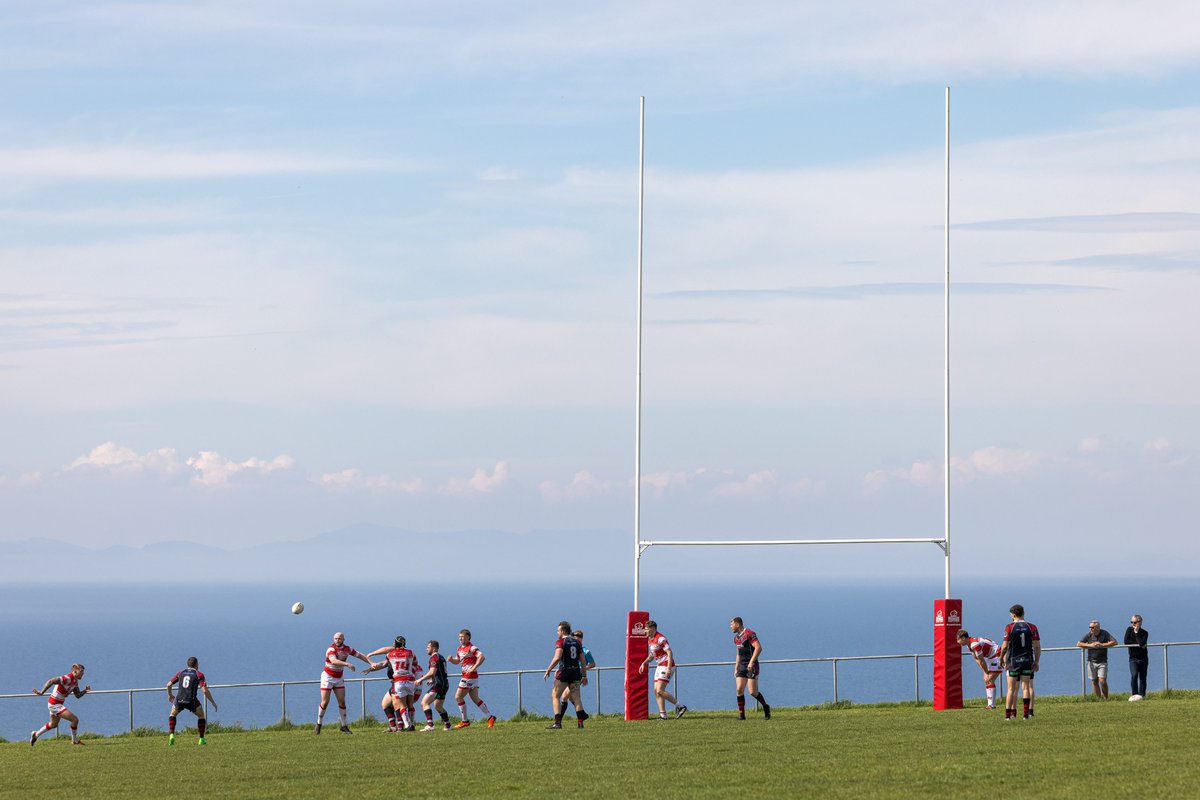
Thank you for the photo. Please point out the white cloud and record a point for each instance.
(1089, 445)
(582, 485)
(661, 481)
(481, 482)
(355, 479)
(805, 487)
(214, 470)
(206, 468)
(756, 483)
(987, 462)
(115, 457)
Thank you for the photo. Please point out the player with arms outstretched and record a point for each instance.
(63, 686)
(987, 656)
(664, 661)
(471, 659)
(745, 669)
(336, 656)
(403, 664)
(191, 682)
(1020, 653)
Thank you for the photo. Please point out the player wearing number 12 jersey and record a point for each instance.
(190, 682)
(1020, 653)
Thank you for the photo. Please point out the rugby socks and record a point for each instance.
(429, 716)
(580, 716)
(404, 717)
(483, 707)
(75, 734)
(462, 709)
(342, 715)
(762, 701)
(991, 694)
(390, 713)
(201, 724)
(1026, 706)
(321, 714)
(171, 724)
(445, 717)
(42, 730)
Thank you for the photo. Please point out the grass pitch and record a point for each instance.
(1072, 748)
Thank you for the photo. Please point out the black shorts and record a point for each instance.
(438, 690)
(569, 676)
(1021, 669)
(744, 671)
(192, 706)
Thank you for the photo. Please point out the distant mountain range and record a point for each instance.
(355, 551)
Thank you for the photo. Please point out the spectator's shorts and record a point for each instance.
(1098, 670)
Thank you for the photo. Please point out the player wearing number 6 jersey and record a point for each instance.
(64, 685)
(190, 681)
(987, 656)
(1020, 653)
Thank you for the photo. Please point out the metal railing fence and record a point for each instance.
(519, 674)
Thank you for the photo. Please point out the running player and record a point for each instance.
(987, 656)
(403, 666)
(191, 683)
(568, 657)
(664, 659)
(332, 681)
(1021, 652)
(745, 669)
(56, 703)
(471, 659)
(439, 687)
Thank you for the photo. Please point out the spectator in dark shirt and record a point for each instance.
(1139, 656)
(1097, 641)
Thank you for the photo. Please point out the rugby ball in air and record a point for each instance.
(297, 608)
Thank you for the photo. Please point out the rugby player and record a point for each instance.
(191, 682)
(664, 660)
(745, 668)
(402, 665)
(439, 687)
(589, 663)
(987, 656)
(1020, 653)
(56, 703)
(568, 657)
(332, 681)
(471, 659)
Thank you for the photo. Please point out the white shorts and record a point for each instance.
(468, 683)
(403, 688)
(662, 673)
(56, 709)
(330, 682)
(992, 664)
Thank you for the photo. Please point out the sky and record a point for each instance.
(274, 269)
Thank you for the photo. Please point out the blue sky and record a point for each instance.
(273, 270)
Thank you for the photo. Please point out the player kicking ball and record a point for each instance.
(56, 703)
(191, 682)
(664, 661)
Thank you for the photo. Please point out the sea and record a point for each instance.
(138, 636)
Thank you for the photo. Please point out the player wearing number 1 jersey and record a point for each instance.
(471, 659)
(1020, 653)
(64, 685)
(190, 682)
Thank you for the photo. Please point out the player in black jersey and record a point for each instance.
(439, 686)
(568, 657)
(745, 669)
(1020, 654)
(191, 682)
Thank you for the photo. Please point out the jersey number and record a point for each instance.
(186, 682)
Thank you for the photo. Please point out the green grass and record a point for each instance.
(1073, 748)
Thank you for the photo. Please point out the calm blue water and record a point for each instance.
(140, 636)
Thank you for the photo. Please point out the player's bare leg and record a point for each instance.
(49, 726)
(1027, 695)
(340, 693)
(663, 697)
(478, 701)
(460, 697)
(1010, 699)
(321, 709)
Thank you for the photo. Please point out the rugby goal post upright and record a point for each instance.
(947, 672)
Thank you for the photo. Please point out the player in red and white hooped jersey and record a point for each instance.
(336, 656)
(987, 655)
(404, 668)
(63, 686)
(664, 660)
(471, 659)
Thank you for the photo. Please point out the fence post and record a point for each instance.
(362, 686)
(520, 704)
(835, 688)
(283, 700)
(917, 677)
(597, 692)
(1083, 673)
(131, 712)
(1166, 668)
